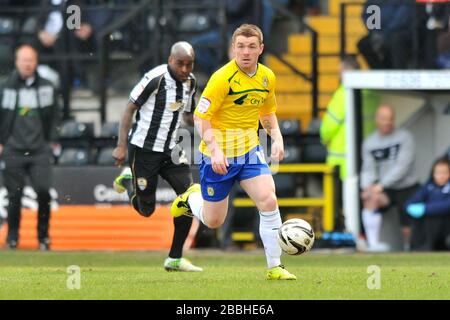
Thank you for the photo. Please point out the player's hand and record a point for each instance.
(119, 154)
(219, 162)
(1, 149)
(277, 151)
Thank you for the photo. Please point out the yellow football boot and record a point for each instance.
(180, 205)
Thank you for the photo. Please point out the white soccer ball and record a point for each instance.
(295, 236)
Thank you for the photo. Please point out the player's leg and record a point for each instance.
(372, 218)
(208, 201)
(144, 167)
(261, 189)
(41, 177)
(180, 178)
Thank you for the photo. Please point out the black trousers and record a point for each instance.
(37, 166)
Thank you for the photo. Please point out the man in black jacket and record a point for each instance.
(29, 116)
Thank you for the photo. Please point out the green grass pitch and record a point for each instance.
(140, 275)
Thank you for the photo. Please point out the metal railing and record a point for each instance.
(327, 202)
(313, 78)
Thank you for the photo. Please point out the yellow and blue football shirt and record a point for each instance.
(233, 101)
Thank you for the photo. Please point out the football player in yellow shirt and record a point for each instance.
(237, 97)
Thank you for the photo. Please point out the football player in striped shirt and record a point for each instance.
(160, 100)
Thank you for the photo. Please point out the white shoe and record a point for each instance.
(378, 247)
(180, 264)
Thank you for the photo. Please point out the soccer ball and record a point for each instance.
(295, 236)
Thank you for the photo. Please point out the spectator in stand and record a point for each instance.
(387, 177)
(431, 204)
(53, 39)
(389, 46)
(434, 31)
(51, 34)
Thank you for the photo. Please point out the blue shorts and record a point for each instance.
(216, 187)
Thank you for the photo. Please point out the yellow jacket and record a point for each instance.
(332, 129)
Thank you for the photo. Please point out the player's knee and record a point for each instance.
(146, 209)
(213, 222)
(268, 202)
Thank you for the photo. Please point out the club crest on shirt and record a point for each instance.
(265, 81)
(174, 106)
(142, 183)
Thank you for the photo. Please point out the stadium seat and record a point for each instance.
(314, 126)
(105, 158)
(72, 129)
(74, 157)
(285, 184)
(314, 153)
(76, 134)
(193, 22)
(291, 154)
(290, 127)
(110, 130)
(7, 25)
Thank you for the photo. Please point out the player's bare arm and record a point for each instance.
(120, 151)
(270, 124)
(218, 160)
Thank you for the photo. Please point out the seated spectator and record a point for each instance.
(389, 46)
(431, 204)
(434, 33)
(443, 42)
(51, 34)
(387, 177)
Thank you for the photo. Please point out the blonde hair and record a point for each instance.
(248, 30)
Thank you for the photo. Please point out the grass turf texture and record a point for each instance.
(140, 275)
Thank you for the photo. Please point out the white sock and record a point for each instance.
(372, 224)
(195, 201)
(268, 231)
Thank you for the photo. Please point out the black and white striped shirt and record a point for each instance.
(161, 100)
